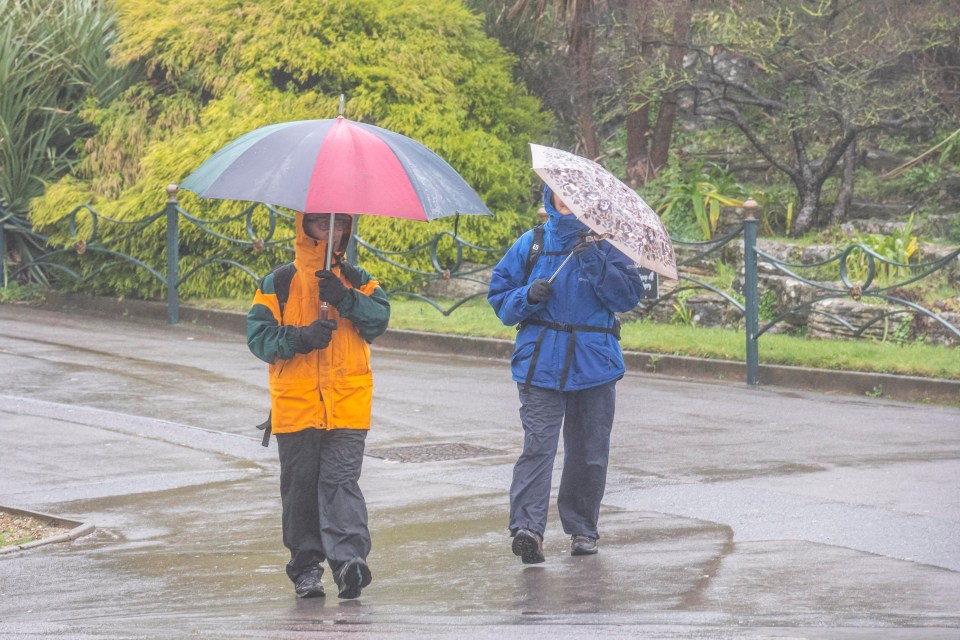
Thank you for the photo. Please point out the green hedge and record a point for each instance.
(212, 70)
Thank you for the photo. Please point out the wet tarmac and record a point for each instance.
(730, 512)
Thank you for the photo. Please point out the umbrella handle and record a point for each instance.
(591, 237)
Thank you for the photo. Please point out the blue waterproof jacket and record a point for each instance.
(586, 293)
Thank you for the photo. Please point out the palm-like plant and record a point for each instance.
(53, 58)
(704, 192)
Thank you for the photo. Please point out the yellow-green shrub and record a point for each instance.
(212, 70)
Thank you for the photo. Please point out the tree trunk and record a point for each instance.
(807, 215)
(639, 171)
(663, 130)
(635, 16)
(587, 127)
(582, 46)
(841, 207)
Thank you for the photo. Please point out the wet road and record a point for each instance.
(730, 512)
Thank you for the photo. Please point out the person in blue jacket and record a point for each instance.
(566, 364)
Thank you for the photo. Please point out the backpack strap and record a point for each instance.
(536, 248)
(282, 277)
(267, 428)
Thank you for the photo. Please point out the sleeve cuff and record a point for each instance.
(348, 302)
(289, 343)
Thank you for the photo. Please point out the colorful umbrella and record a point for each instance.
(608, 206)
(336, 166)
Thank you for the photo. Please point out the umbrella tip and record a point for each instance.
(343, 100)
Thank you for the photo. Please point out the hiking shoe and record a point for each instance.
(529, 546)
(583, 546)
(352, 577)
(308, 583)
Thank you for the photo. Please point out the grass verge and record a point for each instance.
(476, 318)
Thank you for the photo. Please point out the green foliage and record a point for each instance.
(899, 246)
(953, 231)
(216, 69)
(918, 180)
(8, 538)
(875, 392)
(682, 314)
(767, 308)
(901, 333)
(18, 293)
(53, 61)
(699, 192)
(723, 275)
(775, 207)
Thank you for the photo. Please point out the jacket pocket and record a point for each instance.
(295, 405)
(351, 398)
(523, 353)
(596, 358)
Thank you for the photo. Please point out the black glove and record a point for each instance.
(315, 336)
(331, 288)
(586, 241)
(350, 272)
(539, 291)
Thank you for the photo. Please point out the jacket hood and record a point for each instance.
(566, 227)
(310, 255)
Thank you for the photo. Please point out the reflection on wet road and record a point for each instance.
(730, 512)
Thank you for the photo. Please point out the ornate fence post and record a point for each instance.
(173, 255)
(3, 247)
(751, 299)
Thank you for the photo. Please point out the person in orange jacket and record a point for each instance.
(321, 389)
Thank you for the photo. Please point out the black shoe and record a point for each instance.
(308, 583)
(583, 546)
(352, 577)
(529, 546)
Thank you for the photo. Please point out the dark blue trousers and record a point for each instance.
(586, 419)
(324, 512)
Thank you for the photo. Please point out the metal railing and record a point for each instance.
(841, 287)
(84, 224)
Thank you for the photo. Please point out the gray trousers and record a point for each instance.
(586, 417)
(324, 513)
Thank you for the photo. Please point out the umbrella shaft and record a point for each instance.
(562, 264)
(323, 305)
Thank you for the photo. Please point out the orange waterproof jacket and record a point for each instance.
(327, 388)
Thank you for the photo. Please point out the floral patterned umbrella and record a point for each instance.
(608, 206)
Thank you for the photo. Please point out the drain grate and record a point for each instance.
(432, 452)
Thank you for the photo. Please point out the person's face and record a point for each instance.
(317, 226)
(560, 205)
